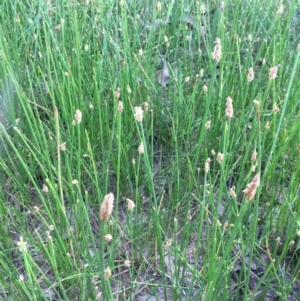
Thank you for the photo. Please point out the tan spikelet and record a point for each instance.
(216, 55)
(107, 272)
(229, 107)
(250, 191)
(107, 207)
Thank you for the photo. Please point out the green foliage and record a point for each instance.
(65, 69)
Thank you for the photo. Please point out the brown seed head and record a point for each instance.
(280, 8)
(229, 107)
(267, 125)
(220, 157)
(120, 106)
(216, 55)
(146, 106)
(141, 148)
(158, 6)
(45, 188)
(78, 116)
(107, 272)
(254, 156)
(130, 204)
(206, 165)
(108, 237)
(107, 207)
(250, 191)
(250, 75)
(118, 93)
(232, 192)
(273, 72)
(208, 124)
(138, 114)
(127, 263)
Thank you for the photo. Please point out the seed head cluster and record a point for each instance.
(138, 114)
(45, 188)
(254, 156)
(78, 116)
(232, 192)
(208, 124)
(280, 8)
(273, 73)
(107, 207)
(108, 237)
(158, 6)
(220, 157)
(229, 108)
(146, 106)
(120, 106)
(250, 75)
(141, 149)
(250, 191)
(216, 55)
(206, 165)
(107, 272)
(22, 245)
(130, 204)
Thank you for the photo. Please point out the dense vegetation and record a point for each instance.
(183, 114)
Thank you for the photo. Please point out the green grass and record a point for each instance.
(187, 238)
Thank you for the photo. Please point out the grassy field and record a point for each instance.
(149, 150)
